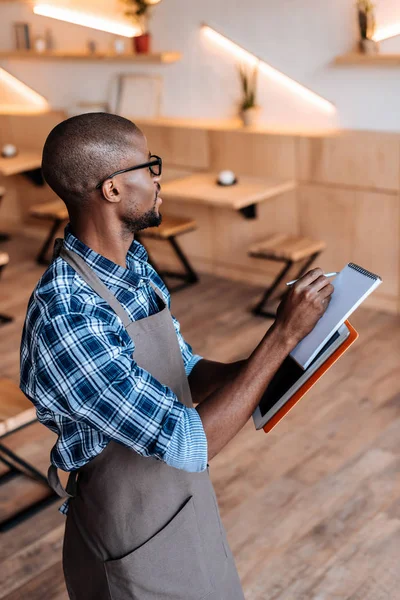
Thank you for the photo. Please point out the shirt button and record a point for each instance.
(130, 288)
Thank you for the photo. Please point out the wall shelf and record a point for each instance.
(357, 58)
(155, 58)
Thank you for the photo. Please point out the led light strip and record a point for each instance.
(36, 102)
(86, 20)
(265, 68)
(387, 32)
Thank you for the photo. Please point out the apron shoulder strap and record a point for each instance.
(79, 265)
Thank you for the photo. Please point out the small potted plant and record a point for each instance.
(139, 12)
(367, 24)
(249, 109)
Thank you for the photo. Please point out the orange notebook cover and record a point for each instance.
(313, 379)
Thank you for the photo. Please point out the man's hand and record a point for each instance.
(226, 410)
(303, 306)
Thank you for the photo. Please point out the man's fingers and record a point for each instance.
(327, 291)
(320, 283)
(308, 278)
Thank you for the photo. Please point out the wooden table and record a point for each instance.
(26, 162)
(201, 188)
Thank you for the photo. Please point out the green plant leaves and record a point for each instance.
(248, 78)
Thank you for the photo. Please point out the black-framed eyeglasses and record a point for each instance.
(154, 164)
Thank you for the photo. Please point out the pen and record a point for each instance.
(326, 275)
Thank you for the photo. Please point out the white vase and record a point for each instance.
(369, 46)
(250, 116)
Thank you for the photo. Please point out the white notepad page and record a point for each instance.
(352, 286)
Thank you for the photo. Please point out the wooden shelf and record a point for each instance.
(357, 58)
(159, 57)
(233, 124)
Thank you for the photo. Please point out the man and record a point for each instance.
(108, 370)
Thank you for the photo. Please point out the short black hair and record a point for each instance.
(82, 150)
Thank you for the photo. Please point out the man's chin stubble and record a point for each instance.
(149, 219)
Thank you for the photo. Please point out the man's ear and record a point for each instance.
(110, 191)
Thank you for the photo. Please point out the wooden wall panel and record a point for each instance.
(255, 154)
(5, 130)
(30, 131)
(328, 214)
(20, 195)
(234, 234)
(10, 211)
(171, 173)
(376, 238)
(179, 146)
(361, 159)
(360, 227)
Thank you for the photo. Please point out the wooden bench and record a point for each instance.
(290, 250)
(57, 213)
(170, 228)
(16, 412)
(4, 260)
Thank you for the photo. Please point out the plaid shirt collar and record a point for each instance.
(108, 271)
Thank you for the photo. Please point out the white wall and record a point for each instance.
(299, 37)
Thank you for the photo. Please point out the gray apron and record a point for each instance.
(137, 528)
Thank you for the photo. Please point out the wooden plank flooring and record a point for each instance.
(312, 510)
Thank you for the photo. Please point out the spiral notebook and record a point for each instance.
(352, 286)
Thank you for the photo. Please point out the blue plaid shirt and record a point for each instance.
(77, 366)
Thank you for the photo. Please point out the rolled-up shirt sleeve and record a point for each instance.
(85, 372)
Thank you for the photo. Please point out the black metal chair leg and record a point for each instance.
(189, 275)
(149, 256)
(18, 466)
(21, 465)
(259, 308)
(41, 257)
(5, 319)
(307, 265)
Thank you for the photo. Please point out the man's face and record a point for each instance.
(139, 190)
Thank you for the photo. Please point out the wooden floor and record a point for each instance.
(312, 510)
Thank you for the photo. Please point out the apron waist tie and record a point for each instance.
(54, 482)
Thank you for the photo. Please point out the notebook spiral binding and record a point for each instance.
(364, 271)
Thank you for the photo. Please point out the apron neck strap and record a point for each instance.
(87, 273)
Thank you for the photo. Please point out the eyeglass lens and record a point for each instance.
(155, 169)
